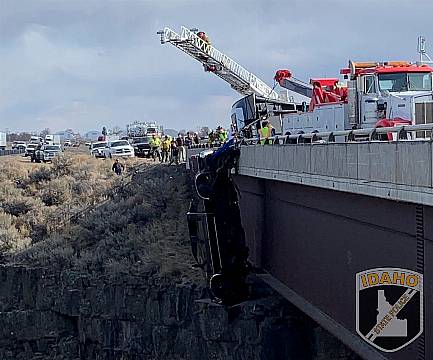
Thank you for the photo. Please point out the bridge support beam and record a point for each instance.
(313, 241)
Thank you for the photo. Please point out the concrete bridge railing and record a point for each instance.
(398, 171)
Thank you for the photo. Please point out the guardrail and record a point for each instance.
(11, 152)
(205, 145)
(370, 134)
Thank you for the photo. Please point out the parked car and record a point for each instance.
(67, 143)
(119, 148)
(46, 153)
(19, 145)
(141, 146)
(97, 149)
(30, 149)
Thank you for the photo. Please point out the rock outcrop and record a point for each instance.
(46, 315)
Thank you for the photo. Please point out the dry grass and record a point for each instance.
(38, 198)
(134, 228)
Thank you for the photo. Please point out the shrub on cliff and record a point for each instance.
(140, 228)
(10, 237)
(43, 197)
(40, 175)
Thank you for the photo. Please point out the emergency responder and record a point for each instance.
(155, 144)
(222, 134)
(180, 144)
(202, 35)
(165, 149)
(118, 167)
(265, 132)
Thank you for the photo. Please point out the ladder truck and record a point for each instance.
(197, 45)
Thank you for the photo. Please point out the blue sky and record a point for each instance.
(87, 64)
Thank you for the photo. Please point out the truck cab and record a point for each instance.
(397, 92)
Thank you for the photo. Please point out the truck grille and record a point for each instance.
(122, 151)
(423, 115)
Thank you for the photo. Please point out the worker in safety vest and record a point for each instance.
(155, 144)
(265, 132)
(166, 143)
(222, 134)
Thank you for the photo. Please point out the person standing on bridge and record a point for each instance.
(174, 154)
(188, 140)
(211, 138)
(181, 148)
(265, 132)
(155, 144)
(222, 135)
(195, 139)
(118, 167)
(165, 149)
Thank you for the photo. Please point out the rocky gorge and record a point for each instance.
(118, 284)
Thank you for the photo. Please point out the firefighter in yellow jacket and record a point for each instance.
(166, 145)
(155, 144)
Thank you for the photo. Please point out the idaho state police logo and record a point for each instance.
(389, 307)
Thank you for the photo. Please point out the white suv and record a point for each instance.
(97, 149)
(119, 148)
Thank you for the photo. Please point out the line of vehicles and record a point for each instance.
(136, 143)
(43, 150)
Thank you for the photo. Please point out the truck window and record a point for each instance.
(397, 82)
(369, 85)
(420, 81)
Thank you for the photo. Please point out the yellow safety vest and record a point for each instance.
(166, 144)
(156, 142)
(265, 134)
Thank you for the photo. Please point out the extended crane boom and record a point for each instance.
(215, 61)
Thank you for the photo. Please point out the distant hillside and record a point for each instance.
(171, 132)
(92, 135)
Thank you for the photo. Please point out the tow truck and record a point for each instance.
(378, 94)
